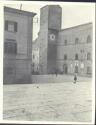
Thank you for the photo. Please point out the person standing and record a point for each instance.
(75, 78)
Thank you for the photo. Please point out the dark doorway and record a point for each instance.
(76, 69)
(65, 69)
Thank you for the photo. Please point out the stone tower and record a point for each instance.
(50, 25)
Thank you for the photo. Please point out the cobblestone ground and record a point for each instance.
(48, 102)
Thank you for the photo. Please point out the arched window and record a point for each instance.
(76, 56)
(65, 57)
(89, 39)
(65, 42)
(88, 56)
(76, 41)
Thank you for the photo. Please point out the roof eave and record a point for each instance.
(13, 10)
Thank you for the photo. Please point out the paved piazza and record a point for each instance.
(49, 102)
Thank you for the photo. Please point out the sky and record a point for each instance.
(72, 13)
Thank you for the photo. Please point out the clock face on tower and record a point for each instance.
(52, 37)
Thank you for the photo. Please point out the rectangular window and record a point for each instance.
(10, 47)
(10, 26)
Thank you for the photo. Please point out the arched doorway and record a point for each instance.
(65, 69)
(76, 69)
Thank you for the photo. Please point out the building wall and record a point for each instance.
(48, 27)
(52, 51)
(19, 64)
(43, 40)
(54, 25)
(82, 48)
(35, 60)
(54, 17)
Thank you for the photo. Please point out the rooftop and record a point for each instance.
(90, 23)
(50, 6)
(23, 12)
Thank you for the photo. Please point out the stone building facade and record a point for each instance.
(17, 45)
(74, 51)
(66, 51)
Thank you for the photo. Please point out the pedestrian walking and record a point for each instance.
(75, 79)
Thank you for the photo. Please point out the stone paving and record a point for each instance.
(66, 102)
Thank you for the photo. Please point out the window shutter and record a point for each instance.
(15, 27)
(6, 25)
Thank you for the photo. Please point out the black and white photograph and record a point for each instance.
(48, 62)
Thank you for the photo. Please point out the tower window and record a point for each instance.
(76, 41)
(88, 56)
(65, 57)
(76, 56)
(10, 26)
(88, 39)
